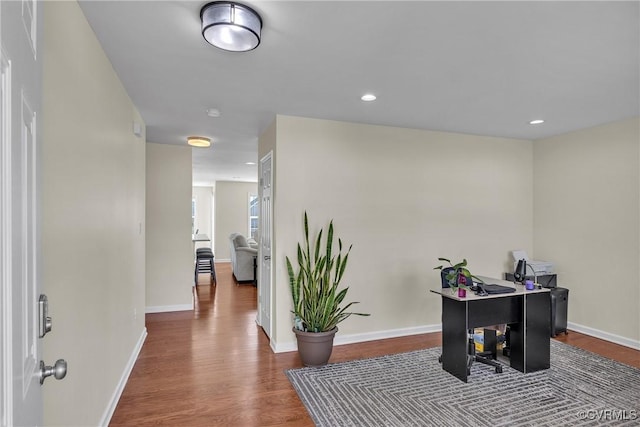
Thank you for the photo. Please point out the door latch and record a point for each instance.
(59, 370)
(44, 321)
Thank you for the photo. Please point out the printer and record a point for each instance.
(540, 267)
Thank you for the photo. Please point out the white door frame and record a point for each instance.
(265, 272)
(6, 318)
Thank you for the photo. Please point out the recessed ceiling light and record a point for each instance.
(250, 163)
(199, 141)
(536, 122)
(368, 97)
(213, 112)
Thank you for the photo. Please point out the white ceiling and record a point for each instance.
(484, 68)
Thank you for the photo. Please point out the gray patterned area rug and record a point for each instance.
(412, 389)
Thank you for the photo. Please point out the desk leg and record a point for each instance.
(529, 338)
(454, 337)
(538, 343)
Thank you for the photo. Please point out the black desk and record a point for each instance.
(526, 312)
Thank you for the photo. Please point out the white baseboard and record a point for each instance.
(165, 308)
(108, 413)
(367, 336)
(617, 339)
(395, 333)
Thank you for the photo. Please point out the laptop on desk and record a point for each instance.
(493, 289)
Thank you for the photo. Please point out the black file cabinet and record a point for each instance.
(559, 308)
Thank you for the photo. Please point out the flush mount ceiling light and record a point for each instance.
(198, 141)
(368, 97)
(213, 112)
(536, 122)
(231, 26)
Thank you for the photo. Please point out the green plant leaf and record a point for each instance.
(315, 291)
(477, 279)
(458, 269)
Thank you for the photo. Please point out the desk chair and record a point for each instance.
(489, 353)
(490, 346)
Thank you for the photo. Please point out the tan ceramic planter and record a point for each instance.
(315, 347)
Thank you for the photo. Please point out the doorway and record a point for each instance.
(265, 189)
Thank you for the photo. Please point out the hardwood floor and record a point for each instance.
(214, 366)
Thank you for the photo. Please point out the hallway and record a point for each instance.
(214, 366)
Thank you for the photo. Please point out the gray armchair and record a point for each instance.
(242, 258)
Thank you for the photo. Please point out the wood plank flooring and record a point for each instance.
(214, 366)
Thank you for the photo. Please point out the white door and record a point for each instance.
(20, 250)
(264, 278)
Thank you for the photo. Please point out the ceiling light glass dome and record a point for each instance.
(231, 26)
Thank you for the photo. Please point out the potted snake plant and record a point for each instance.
(318, 302)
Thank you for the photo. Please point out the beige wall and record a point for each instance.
(587, 214)
(170, 256)
(231, 214)
(403, 198)
(267, 141)
(93, 222)
(204, 213)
